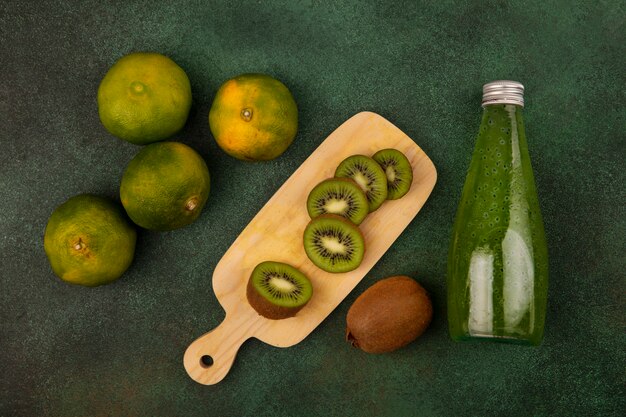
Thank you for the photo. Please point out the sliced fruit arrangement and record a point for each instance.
(398, 171)
(360, 186)
(277, 290)
(146, 98)
(165, 186)
(369, 175)
(340, 196)
(389, 315)
(333, 243)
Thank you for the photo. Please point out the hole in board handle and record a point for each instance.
(206, 361)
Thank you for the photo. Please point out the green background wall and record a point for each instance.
(117, 350)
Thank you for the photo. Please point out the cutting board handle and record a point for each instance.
(209, 358)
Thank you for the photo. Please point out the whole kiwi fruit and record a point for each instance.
(389, 315)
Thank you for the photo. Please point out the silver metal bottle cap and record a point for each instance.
(503, 92)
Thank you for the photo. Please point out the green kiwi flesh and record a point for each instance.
(333, 243)
(277, 290)
(340, 196)
(398, 171)
(369, 175)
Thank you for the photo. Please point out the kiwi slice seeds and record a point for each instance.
(333, 243)
(398, 171)
(277, 290)
(340, 196)
(369, 175)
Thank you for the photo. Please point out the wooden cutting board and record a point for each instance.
(275, 234)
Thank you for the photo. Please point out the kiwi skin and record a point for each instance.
(265, 308)
(389, 315)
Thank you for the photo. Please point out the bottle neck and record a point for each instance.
(501, 122)
(508, 107)
(512, 112)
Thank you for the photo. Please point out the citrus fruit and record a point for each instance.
(144, 97)
(254, 117)
(89, 241)
(165, 186)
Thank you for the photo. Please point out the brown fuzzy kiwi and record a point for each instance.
(389, 315)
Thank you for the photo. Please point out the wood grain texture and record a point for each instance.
(275, 234)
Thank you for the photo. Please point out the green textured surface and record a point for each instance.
(117, 350)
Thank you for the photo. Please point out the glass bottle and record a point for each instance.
(498, 260)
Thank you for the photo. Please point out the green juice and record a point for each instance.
(498, 260)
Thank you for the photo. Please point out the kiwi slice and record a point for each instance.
(277, 290)
(369, 175)
(398, 170)
(340, 196)
(333, 243)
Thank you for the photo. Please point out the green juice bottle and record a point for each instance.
(498, 259)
